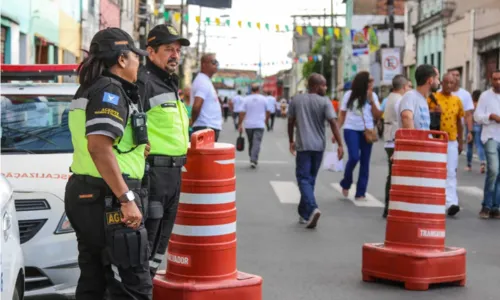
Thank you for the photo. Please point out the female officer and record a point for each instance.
(107, 132)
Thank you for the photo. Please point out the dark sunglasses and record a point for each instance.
(214, 62)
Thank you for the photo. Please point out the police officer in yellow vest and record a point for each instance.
(102, 203)
(168, 126)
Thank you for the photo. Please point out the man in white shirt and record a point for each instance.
(254, 116)
(488, 114)
(206, 112)
(271, 102)
(400, 85)
(235, 104)
(467, 104)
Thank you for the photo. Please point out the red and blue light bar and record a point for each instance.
(36, 71)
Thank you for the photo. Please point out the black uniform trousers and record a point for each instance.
(106, 269)
(164, 193)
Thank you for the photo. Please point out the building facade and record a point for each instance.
(472, 42)
(90, 21)
(429, 33)
(42, 31)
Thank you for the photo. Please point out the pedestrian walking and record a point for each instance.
(452, 112)
(271, 102)
(400, 85)
(225, 108)
(476, 140)
(413, 108)
(467, 103)
(308, 114)
(254, 116)
(488, 115)
(168, 130)
(207, 111)
(236, 104)
(103, 198)
(359, 111)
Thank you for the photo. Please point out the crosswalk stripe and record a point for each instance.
(370, 201)
(471, 190)
(287, 191)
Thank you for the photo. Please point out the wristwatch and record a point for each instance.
(127, 197)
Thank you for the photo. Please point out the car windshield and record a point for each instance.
(35, 124)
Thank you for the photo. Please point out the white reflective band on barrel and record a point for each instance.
(420, 156)
(225, 161)
(417, 208)
(419, 182)
(210, 230)
(221, 198)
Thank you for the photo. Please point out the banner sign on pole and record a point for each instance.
(391, 64)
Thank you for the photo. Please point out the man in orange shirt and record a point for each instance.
(452, 113)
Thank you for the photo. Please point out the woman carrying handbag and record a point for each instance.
(358, 113)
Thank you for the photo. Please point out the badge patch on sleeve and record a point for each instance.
(110, 98)
(113, 218)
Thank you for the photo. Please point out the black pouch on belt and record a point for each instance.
(126, 247)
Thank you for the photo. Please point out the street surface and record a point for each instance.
(325, 263)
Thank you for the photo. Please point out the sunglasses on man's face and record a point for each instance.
(214, 62)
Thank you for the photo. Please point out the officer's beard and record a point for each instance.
(170, 65)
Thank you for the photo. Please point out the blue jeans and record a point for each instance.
(306, 170)
(359, 150)
(491, 190)
(476, 134)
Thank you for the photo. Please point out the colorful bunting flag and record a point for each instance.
(299, 30)
(258, 25)
(177, 17)
(198, 19)
(239, 23)
(320, 31)
(166, 15)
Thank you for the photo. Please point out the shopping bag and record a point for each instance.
(331, 161)
(240, 143)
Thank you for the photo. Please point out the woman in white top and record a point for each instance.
(359, 110)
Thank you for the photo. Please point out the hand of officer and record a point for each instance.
(146, 151)
(131, 214)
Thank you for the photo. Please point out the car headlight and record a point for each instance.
(64, 225)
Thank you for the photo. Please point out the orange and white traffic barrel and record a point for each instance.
(414, 251)
(201, 254)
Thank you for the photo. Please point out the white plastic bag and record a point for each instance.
(331, 161)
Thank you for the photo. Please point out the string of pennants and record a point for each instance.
(301, 59)
(301, 30)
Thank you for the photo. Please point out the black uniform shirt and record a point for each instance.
(109, 101)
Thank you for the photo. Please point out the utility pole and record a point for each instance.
(143, 24)
(323, 46)
(333, 77)
(198, 44)
(390, 13)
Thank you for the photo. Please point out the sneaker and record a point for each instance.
(483, 168)
(302, 220)
(484, 213)
(453, 210)
(495, 213)
(313, 220)
(253, 165)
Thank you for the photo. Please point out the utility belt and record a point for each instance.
(166, 161)
(133, 184)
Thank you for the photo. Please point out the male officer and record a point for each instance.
(168, 125)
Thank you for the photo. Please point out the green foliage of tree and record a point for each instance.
(315, 66)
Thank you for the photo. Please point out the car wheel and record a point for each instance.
(16, 294)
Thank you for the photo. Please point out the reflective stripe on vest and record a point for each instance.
(131, 163)
(168, 125)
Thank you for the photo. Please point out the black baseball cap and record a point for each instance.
(113, 39)
(165, 34)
